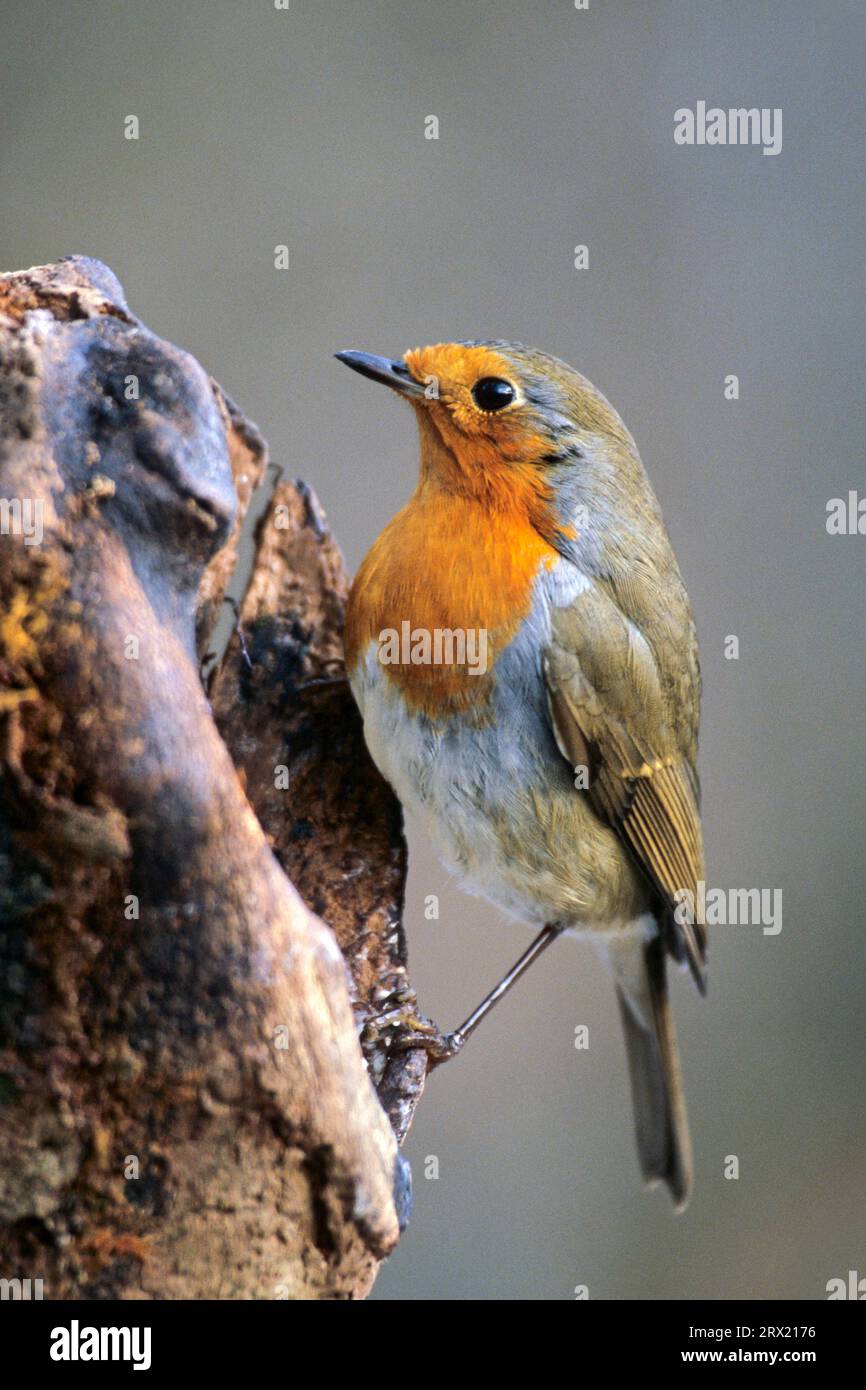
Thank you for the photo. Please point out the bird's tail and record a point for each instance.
(662, 1128)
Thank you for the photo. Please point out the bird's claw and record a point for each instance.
(406, 1030)
(421, 1034)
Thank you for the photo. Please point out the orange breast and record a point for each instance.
(445, 564)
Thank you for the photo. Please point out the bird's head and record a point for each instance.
(512, 427)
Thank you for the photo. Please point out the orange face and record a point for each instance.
(479, 434)
(467, 401)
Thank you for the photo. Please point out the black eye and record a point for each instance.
(492, 393)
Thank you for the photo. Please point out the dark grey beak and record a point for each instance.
(384, 369)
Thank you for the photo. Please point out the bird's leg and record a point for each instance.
(441, 1046)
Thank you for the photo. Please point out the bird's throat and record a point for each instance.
(458, 578)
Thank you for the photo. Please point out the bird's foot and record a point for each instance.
(404, 1029)
(421, 1033)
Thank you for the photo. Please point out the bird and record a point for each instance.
(521, 646)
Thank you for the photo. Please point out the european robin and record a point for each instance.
(522, 649)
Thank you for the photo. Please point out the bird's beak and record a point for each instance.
(384, 369)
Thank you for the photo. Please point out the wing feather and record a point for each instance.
(611, 708)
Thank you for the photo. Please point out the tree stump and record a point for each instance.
(200, 891)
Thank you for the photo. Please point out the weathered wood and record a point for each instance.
(184, 1107)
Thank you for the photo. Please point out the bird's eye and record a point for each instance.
(492, 393)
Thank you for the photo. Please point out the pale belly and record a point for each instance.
(499, 804)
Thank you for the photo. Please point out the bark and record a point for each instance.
(199, 902)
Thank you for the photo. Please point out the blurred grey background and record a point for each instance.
(305, 127)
